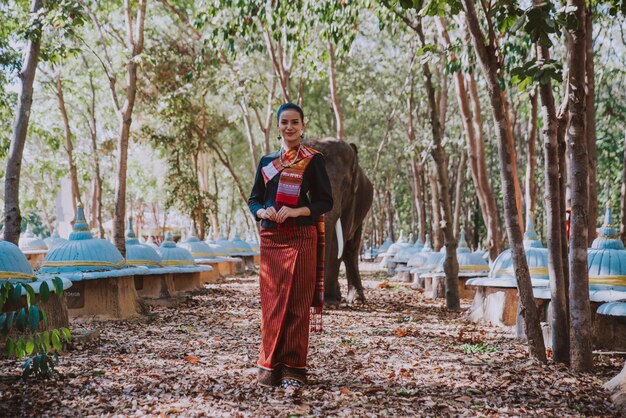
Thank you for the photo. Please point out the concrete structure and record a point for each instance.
(14, 268)
(496, 300)
(103, 286)
(187, 274)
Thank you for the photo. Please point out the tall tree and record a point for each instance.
(539, 23)
(133, 45)
(487, 55)
(580, 315)
(12, 216)
(590, 123)
(69, 144)
(450, 263)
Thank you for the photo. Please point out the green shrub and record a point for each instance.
(39, 349)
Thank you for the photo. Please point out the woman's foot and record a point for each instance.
(291, 386)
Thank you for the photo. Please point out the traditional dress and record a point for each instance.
(291, 275)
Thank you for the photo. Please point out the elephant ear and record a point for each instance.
(356, 151)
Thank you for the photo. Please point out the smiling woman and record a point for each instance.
(291, 193)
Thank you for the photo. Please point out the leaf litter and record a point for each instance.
(397, 355)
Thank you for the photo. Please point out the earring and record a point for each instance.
(301, 134)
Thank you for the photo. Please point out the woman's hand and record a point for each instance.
(287, 212)
(269, 213)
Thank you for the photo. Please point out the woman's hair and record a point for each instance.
(289, 106)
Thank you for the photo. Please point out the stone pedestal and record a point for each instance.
(187, 282)
(105, 298)
(155, 286)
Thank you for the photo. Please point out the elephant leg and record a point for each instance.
(332, 292)
(351, 260)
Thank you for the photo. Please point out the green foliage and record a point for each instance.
(477, 348)
(19, 327)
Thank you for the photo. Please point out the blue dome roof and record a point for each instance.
(29, 243)
(385, 245)
(54, 240)
(13, 263)
(396, 246)
(606, 257)
(198, 249)
(171, 255)
(226, 244)
(462, 247)
(613, 309)
(82, 252)
(536, 257)
(138, 254)
(242, 247)
(218, 249)
(254, 243)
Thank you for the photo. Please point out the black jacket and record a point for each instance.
(315, 191)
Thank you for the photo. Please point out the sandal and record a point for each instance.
(291, 384)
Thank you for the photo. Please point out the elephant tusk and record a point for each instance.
(339, 234)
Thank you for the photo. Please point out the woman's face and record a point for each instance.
(290, 127)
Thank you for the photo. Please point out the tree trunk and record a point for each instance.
(418, 180)
(558, 316)
(135, 48)
(12, 216)
(458, 194)
(251, 144)
(590, 128)
(493, 229)
(488, 60)
(580, 314)
(436, 211)
(450, 263)
(69, 147)
(622, 227)
(334, 95)
(531, 153)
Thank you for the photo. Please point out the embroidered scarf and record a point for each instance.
(291, 169)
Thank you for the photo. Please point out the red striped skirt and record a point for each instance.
(287, 284)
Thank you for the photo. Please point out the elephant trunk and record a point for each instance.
(339, 235)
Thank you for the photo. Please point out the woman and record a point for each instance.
(291, 192)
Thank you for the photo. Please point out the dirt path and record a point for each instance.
(399, 355)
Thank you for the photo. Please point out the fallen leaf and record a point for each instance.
(192, 359)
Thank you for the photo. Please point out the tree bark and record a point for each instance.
(493, 229)
(334, 94)
(557, 316)
(590, 128)
(580, 315)
(623, 200)
(12, 215)
(488, 60)
(450, 264)
(531, 154)
(458, 194)
(435, 203)
(96, 216)
(69, 146)
(135, 36)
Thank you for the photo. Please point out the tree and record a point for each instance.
(539, 23)
(580, 315)
(450, 263)
(12, 216)
(490, 66)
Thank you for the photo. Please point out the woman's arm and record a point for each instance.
(321, 191)
(256, 201)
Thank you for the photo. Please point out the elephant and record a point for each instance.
(352, 195)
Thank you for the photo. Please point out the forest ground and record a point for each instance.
(398, 355)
